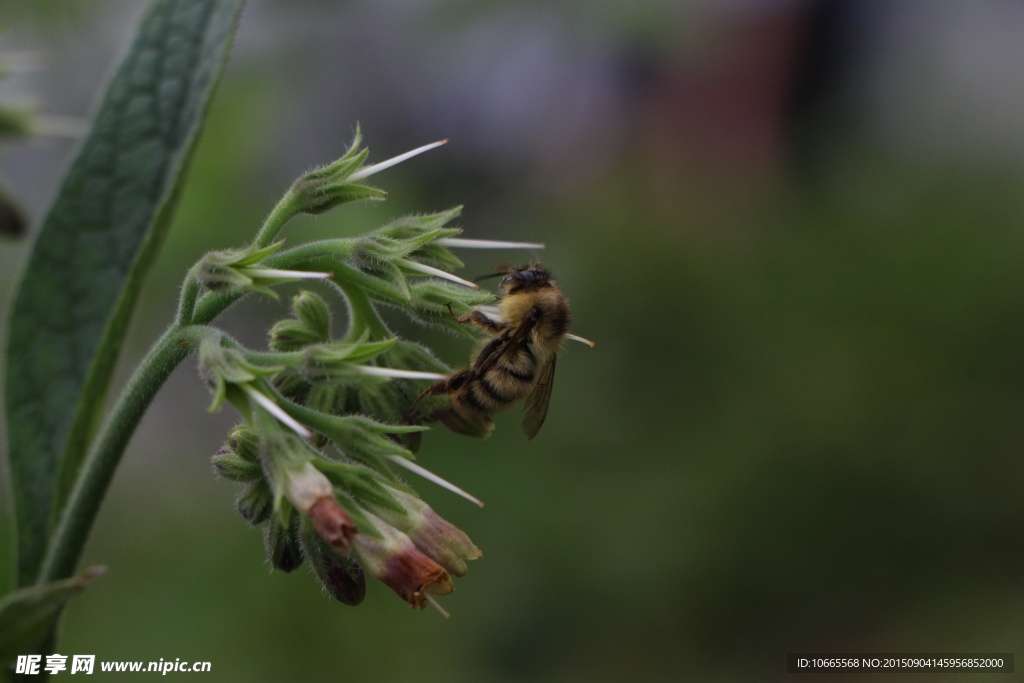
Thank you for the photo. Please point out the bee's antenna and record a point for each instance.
(478, 278)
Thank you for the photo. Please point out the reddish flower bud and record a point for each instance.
(333, 524)
(436, 537)
(395, 560)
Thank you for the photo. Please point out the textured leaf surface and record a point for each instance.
(99, 239)
(27, 616)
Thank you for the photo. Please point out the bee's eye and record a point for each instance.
(507, 279)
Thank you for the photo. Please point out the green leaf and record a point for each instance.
(96, 245)
(28, 616)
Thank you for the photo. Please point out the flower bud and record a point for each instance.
(324, 188)
(333, 524)
(245, 443)
(311, 493)
(339, 575)
(339, 363)
(364, 439)
(241, 270)
(312, 324)
(436, 537)
(256, 504)
(283, 549)
(394, 559)
(430, 230)
(313, 312)
(233, 467)
(292, 335)
(292, 385)
(221, 366)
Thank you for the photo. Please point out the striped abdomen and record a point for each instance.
(511, 379)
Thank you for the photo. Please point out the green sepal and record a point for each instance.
(356, 512)
(311, 324)
(340, 576)
(342, 194)
(382, 248)
(323, 398)
(245, 442)
(219, 270)
(392, 275)
(310, 308)
(281, 452)
(292, 335)
(360, 482)
(412, 226)
(342, 168)
(239, 400)
(222, 366)
(237, 271)
(434, 254)
(257, 503)
(338, 363)
(229, 465)
(292, 385)
(282, 542)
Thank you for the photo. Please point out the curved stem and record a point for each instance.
(93, 479)
(189, 294)
(363, 315)
(284, 211)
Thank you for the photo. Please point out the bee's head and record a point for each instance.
(525, 279)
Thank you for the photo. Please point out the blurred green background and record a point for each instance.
(794, 230)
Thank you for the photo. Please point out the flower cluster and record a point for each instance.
(331, 424)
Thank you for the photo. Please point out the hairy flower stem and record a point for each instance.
(363, 315)
(93, 478)
(284, 211)
(189, 294)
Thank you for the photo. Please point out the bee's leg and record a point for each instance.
(477, 318)
(479, 426)
(443, 388)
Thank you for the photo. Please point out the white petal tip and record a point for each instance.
(377, 168)
(436, 272)
(463, 243)
(276, 411)
(430, 476)
(400, 374)
(286, 274)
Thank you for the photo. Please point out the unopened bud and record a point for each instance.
(233, 467)
(241, 270)
(245, 443)
(339, 575)
(283, 550)
(312, 311)
(313, 495)
(324, 188)
(333, 524)
(256, 504)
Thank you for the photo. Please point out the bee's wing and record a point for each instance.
(537, 402)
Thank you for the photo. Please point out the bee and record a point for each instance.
(517, 363)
